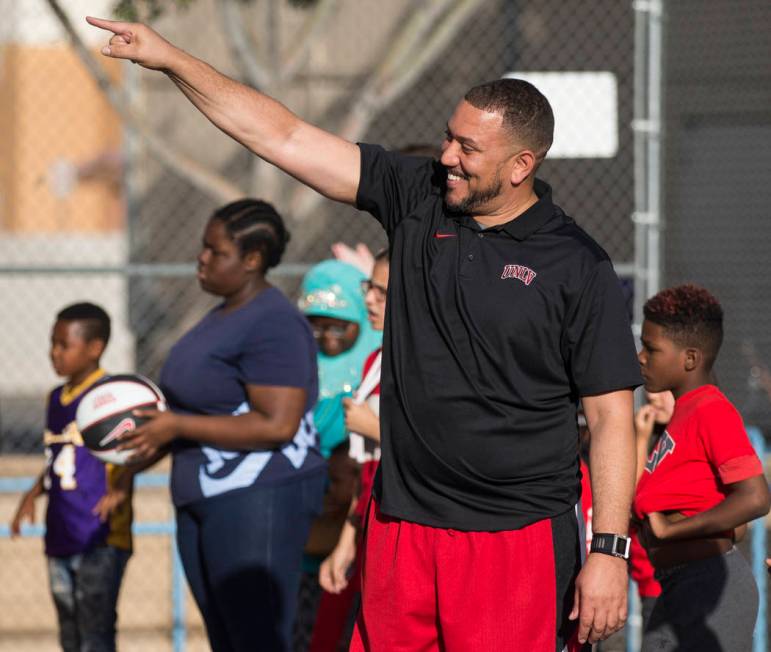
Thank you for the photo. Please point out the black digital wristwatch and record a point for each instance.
(616, 545)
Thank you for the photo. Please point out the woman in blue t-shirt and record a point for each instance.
(247, 476)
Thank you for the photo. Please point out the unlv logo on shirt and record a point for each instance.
(665, 446)
(524, 274)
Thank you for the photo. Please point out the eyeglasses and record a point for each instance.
(379, 290)
(331, 330)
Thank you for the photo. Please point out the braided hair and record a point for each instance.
(254, 225)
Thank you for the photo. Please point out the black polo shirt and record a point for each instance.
(491, 336)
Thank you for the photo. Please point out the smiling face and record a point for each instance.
(482, 161)
(662, 360)
(222, 270)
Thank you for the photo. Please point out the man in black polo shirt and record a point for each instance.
(502, 314)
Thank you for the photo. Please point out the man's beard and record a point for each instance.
(469, 204)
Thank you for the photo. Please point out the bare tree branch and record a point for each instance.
(211, 183)
(274, 38)
(242, 49)
(397, 73)
(440, 38)
(411, 36)
(313, 27)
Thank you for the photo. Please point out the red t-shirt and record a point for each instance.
(704, 448)
(369, 468)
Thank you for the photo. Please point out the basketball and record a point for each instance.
(106, 412)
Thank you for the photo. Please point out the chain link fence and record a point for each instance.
(97, 208)
(717, 162)
(93, 202)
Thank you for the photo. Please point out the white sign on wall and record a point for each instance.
(585, 106)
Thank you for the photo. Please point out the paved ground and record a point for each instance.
(27, 618)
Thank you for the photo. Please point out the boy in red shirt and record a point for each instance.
(701, 481)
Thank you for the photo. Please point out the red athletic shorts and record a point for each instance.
(426, 588)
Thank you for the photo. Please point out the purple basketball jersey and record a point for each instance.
(75, 480)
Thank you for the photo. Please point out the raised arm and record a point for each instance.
(315, 157)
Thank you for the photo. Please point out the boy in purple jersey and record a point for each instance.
(88, 519)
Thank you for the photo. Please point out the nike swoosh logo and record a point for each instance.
(439, 236)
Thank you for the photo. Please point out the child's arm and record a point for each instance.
(746, 500)
(26, 508)
(333, 574)
(361, 419)
(644, 421)
(123, 486)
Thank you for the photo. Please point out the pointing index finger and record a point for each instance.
(114, 26)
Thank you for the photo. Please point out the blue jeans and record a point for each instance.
(242, 553)
(85, 591)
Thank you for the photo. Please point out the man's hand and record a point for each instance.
(147, 440)
(26, 510)
(333, 574)
(600, 601)
(135, 42)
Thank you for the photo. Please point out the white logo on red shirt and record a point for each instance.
(520, 272)
(665, 446)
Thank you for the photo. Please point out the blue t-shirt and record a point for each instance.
(265, 342)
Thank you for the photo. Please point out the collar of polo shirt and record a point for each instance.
(523, 226)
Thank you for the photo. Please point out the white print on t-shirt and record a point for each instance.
(249, 468)
(297, 450)
(362, 448)
(665, 446)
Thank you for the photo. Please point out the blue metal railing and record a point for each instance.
(179, 628)
(758, 546)
(167, 528)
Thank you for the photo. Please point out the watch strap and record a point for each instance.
(616, 545)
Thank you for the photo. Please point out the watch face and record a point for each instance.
(611, 544)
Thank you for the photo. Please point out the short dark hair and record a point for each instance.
(95, 321)
(254, 225)
(690, 316)
(526, 113)
(383, 255)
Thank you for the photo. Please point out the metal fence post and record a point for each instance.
(178, 627)
(758, 542)
(634, 622)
